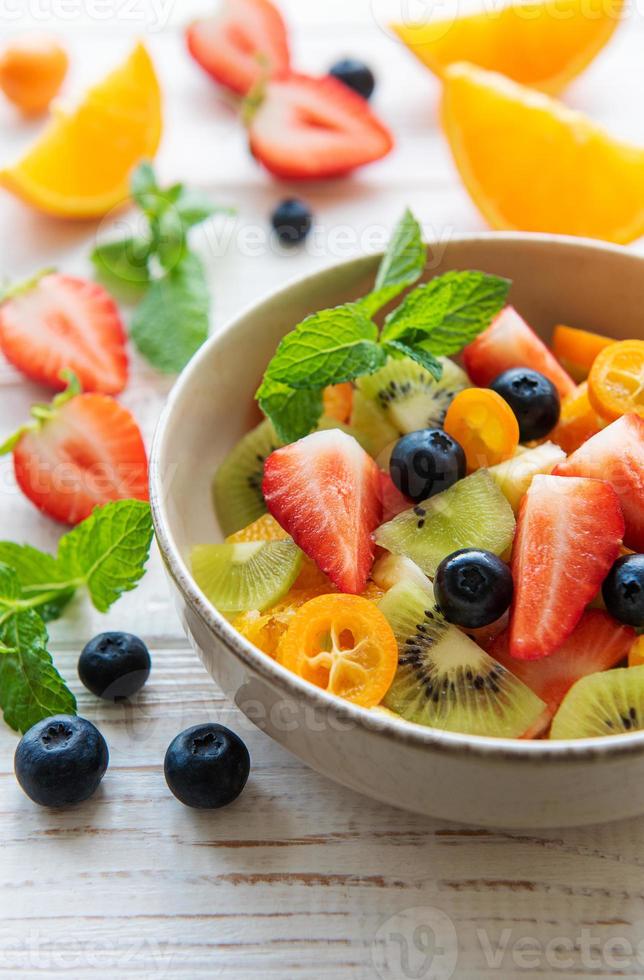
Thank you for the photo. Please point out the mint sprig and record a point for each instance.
(436, 319)
(106, 555)
(172, 319)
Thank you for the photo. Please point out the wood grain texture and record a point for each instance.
(300, 877)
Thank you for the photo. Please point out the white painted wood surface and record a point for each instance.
(299, 877)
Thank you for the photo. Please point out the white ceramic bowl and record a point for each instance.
(492, 782)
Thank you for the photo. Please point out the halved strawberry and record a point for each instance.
(568, 535)
(78, 453)
(58, 322)
(310, 128)
(598, 642)
(393, 501)
(243, 42)
(325, 491)
(508, 343)
(616, 454)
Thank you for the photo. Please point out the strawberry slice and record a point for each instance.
(569, 533)
(78, 453)
(393, 501)
(597, 643)
(325, 491)
(58, 322)
(242, 43)
(509, 343)
(616, 454)
(310, 128)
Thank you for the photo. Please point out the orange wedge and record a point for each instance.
(543, 44)
(531, 164)
(80, 166)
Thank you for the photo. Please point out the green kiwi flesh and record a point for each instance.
(241, 577)
(408, 397)
(473, 513)
(446, 681)
(608, 703)
(237, 487)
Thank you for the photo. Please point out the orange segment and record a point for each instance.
(80, 166)
(338, 401)
(485, 426)
(532, 164)
(577, 349)
(265, 528)
(344, 645)
(616, 380)
(636, 653)
(578, 421)
(539, 44)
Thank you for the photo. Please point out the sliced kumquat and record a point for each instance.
(485, 426)
(265, 528)
(338, 401)
(616, 380)
(636, 653)
(576, 350)
(578, 421)
(344, 645)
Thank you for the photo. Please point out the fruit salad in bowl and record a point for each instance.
(427, 521)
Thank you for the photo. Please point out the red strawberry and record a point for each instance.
(240, 44)
(568, 535)
(61, 322)
(508, 343)
(393, 501)
(597, 643)
(616, 454)
(325, 491)
(311, 128)
(87, 452)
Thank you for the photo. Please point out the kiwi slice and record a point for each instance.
(377, 433)
(444, 680)
(240, 577)
(237, 487)
(473, 513)
(608, 703)
(408, 397)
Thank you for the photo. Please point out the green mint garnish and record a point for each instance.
(341, 344)
(105, 554)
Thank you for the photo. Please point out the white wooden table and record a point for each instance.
(299, 877)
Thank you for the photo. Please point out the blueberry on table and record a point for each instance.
(61, 761)
(425, 463)
(114, 666)
(473, 588)
(207, 766)
(533, 398)
(623, 590)
(292, 221)
(356, 75)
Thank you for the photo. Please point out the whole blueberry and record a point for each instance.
(292, 221)
(114, 666)
(61, 761)
(207, 766)
(623, 590)
(426, 462)
(356, 75)
(533, 398)
(473, 588)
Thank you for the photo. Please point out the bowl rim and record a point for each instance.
(406, 733)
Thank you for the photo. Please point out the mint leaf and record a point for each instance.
(171, 322)
(170, 242)
(327, 348)
(194, 207)
(402, 264)
(144, 187)
(39, 576)
(294, 413)
(30, 686)
(448, 312)
(9, 586)
(126, 260)
(107, 552)
(398, 349)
